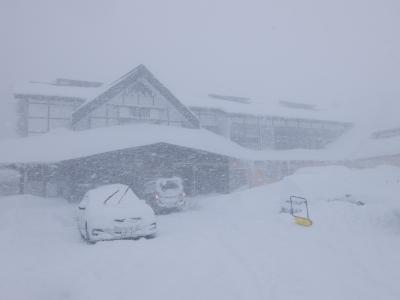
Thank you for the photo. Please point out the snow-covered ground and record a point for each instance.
(235, 246)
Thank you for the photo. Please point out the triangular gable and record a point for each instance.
(140, 72)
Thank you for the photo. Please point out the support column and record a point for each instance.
(22, 180)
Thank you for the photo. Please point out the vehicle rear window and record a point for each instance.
(169, 185)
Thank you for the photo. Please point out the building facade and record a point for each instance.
(138, 97)
(264, 131)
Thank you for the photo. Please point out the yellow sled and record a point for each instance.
(302, 221)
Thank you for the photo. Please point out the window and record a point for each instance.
(131, 99)
(207, 119)
(159, 102)
(267, 137)
(266, 121)
(38, 110)
(57, 123)
(251, 120)
(37, 125)
(97, 122)
(61, 111)
(279, 122)
(113, 111)
(156, 114)
(113, 122)
(237, 119)
(252, 130)
(126, 112)
(146, 100)
(119, 99)
(246, 134)
(144, 113)
(100, 111)
(304, 124)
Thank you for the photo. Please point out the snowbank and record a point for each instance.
(365, 198)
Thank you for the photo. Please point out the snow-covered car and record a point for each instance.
(165, 194)
(114, 212)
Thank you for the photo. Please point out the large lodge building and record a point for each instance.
(216, 143)
(138, 97)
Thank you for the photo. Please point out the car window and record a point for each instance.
(169, 185)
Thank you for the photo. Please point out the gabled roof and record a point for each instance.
(111, 90)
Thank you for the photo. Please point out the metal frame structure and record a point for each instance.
(299, 220)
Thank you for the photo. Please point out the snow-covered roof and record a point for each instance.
(63, 144)
(52, 90)
(92, 95)
(358, 143)
(371, 147)
(266, 108)
(379, 147)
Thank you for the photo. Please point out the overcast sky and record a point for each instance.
(338, 51)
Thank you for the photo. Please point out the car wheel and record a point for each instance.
(157, 210)
(181, 207)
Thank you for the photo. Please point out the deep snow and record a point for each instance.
(235, 246)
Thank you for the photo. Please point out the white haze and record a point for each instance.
(343, 52)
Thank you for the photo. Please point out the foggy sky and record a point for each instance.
(342, 51)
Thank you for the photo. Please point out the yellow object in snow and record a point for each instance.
(302, 221)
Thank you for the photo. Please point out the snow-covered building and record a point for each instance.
(81, 134)
(67, 163)
(138, 97)
(43, 106)
(268, 125)
(377, 148)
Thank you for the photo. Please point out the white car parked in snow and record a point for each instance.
(114, 212)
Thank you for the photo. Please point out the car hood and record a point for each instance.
(105, 216)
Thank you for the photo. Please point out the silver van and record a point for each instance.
(165, 195)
